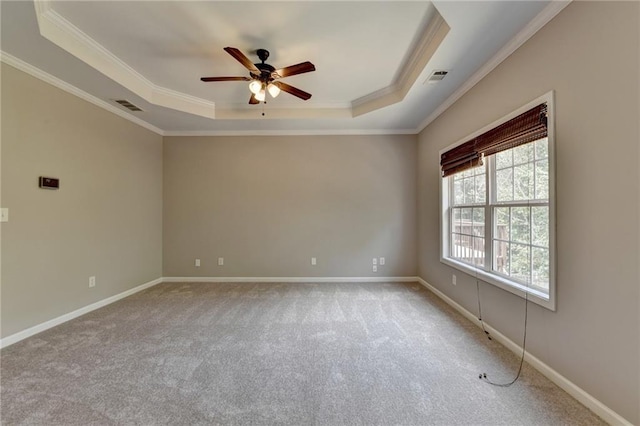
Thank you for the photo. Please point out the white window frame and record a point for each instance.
(486, 275)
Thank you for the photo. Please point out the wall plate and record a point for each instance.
(49, 183)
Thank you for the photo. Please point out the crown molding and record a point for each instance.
(55, 28)
(329, 132)
(546, 15)
(63, 85)
(63, 33)
(430, 40)
(44, 11)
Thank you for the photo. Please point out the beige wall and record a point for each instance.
(268, 204)
(589, 55)
(106, 218)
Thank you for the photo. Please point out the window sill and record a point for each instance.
(535, 296)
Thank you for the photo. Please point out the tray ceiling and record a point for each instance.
(371, 58)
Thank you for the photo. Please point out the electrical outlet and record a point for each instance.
(375, 260)
(375, 268)
(198, 262)
(313, 260)
(382, 261)
(453, 279)
(220, 261)
(92, 281)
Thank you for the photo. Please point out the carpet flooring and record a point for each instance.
(274, 353)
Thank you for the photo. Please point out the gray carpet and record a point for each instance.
(238, 353)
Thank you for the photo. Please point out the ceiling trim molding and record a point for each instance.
(55, 28)
(63, 85)
(33, 71)
(430, 40)
(546, 15)
(63, 33)
(331, 132)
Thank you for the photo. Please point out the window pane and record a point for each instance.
(520, 226)
(480, 183)
(455, 244)
(540, 260)
(502, 231)
(478, 215)
(522, 154)
(542, 148)
(478, 222)
(458, 193)
(463, 247)
(455, 225)
(466, 221)
(540, 226)
(478, 258)
(501, 257)
(469, 193)
(523, 182)
(504, 185)
(520, 262)
(504, 159)
(542, 180)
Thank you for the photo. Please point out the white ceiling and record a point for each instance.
(371, 58)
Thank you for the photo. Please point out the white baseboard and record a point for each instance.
(14, 338)
(604, 412)
(287, 279)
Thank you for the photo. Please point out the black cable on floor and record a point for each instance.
(483, 376)
(480, 310)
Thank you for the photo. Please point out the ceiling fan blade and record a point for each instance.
(225, 79)
(253, 100)
(240, 57)
(292, 90)
(300, 68)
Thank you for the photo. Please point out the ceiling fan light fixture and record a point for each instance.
(255, 86)
(274, 90)
(262, 76)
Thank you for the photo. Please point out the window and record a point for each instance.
(498, 206)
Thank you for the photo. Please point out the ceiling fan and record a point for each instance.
(264, 77)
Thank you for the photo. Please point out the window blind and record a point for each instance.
(526, 127)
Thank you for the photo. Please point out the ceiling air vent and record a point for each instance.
(128, 105)
(436, 76)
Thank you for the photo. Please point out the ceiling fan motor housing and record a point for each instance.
(265, 69)
(265, 72)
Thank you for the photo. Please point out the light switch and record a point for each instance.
(4, 215)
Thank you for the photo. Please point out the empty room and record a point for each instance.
(320, 212)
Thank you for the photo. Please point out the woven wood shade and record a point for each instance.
(525, 128)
